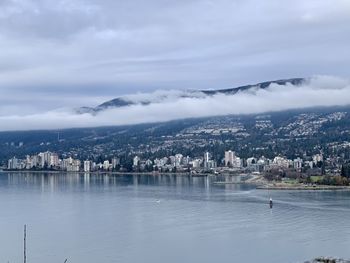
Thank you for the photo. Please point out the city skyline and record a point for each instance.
(51, 161)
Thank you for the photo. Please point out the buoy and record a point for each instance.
(271, 203)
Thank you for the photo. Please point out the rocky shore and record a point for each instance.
(328, 260)
(284, 186)
(262, 183)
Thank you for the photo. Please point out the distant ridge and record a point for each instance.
(262, 85)
(125, 101)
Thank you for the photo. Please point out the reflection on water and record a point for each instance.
(169, 218)
(56, 181)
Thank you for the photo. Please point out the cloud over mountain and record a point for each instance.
(317, 91)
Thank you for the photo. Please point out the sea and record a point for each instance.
(105, 218)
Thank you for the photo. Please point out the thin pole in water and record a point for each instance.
(25, 244)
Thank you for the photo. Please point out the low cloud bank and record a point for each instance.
(318, 91)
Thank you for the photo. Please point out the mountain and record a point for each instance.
(262, 85)
(161, 96)
(290, 133)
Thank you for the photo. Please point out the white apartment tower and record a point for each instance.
(229, 158)
(87, 166)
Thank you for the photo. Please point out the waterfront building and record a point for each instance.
(186, 160)
(229, 156)
(54, 160)
(161, 162)
(211, 164)
(196, 163)
(251, 161)
(208, 163)
(207, 158)
(35, 161)
(87, 166)
(237, 163)
(13, 163)
(71, 165)
(106, 165)
(172, 160)
(136, 161)
(115, 163)
(44, 159)
(28, 162)
(280, 162)
(298, 163)
(254, 165)
(178, 159)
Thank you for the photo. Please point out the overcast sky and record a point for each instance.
(70, 53)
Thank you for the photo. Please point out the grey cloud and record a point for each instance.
(46, 19)
(56, 50)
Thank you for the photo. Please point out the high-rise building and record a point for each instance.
(44, 159)
(13, 163)
(207, 158)
(280, 162)
(87, 166)
(54, 160)
(298, 163)
(178, 159)
(115, 162)
(106, 165)
(231, 160)
(35, 161)
(71, 165)
(229, 157)
(172, 160)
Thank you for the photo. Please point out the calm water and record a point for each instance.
(118, 219)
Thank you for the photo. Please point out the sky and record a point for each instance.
(61, 54)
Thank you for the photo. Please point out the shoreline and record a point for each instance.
(305, 188)
(261, 183)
